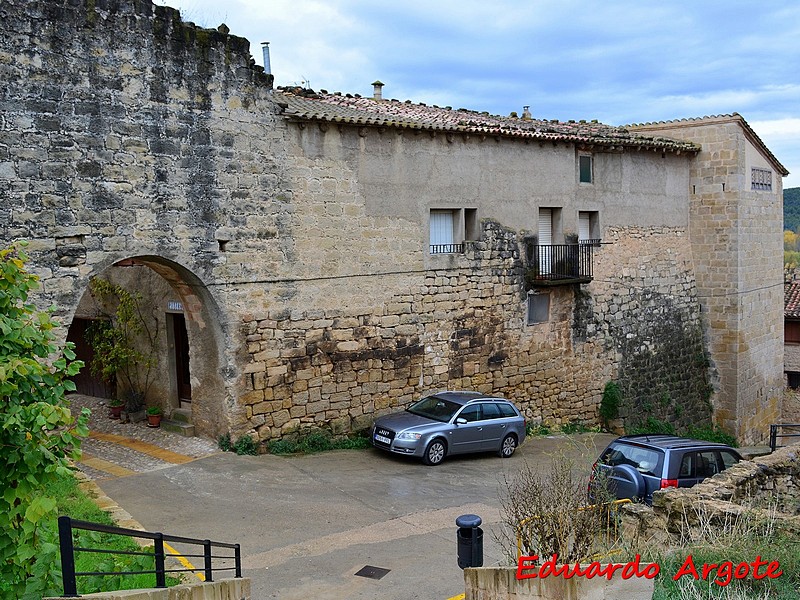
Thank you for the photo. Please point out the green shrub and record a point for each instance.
(311, 441)
(651, 425)
(245, 445)
(610, 402)
(224, 442)
(712, 433)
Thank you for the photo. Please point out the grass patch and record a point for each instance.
(311, 441)
(75, 503)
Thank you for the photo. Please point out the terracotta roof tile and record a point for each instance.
(306, 105)
(791, 300)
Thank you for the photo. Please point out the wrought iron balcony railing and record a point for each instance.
(447, 248)
(560, 264)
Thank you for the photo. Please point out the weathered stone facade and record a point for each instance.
(298, 246)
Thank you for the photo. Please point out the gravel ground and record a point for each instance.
(100, 422)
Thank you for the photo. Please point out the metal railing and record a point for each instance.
(447, 248)
(773, 433)
(69, 576)
(562, 262)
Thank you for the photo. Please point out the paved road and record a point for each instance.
(307, 524)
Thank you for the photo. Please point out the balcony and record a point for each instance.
(447, 248)
(560, 264)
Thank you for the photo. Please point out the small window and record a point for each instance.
(589, 227)
(442, 232)
(793, 380)
(585, 168)
(762, 179)
(791, 332)
(538, 308)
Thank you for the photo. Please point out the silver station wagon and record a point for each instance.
(447, 423)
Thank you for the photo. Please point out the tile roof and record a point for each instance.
(301, 104)
(791, 300)
(674, 123)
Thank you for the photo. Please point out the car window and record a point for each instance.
(471, 413)
(706, 464)
(645, 460)
(434, 407)
(490, 410)
(687, 465)
(728, 459)
(506, 409)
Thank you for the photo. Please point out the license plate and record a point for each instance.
(382, 439)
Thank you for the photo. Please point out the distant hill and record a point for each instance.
(791, 209)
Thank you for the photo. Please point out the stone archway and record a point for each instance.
(173, 295)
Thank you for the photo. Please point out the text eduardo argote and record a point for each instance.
(720, 573)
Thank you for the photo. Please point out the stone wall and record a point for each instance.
(226, 589)
(464, 328)
(737, 249)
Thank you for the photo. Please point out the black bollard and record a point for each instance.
(469, 537)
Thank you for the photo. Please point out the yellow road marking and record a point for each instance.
(105, 466)
(459, 597)
(143, 447)
(184, 561)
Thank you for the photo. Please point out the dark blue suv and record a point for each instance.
(638, 465)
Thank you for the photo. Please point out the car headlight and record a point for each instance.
(409, 436)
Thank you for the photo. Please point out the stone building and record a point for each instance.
(314, 259)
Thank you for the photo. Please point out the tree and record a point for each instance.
(124, 344)
(38, 433)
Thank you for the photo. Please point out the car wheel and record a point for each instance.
(435, 452)
(508, 446)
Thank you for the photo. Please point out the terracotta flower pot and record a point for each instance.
(115, 411)
(153, 420)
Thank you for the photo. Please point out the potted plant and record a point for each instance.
(123, 342)
(115, 406)
(154, 416)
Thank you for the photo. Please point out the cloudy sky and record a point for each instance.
(618, 61)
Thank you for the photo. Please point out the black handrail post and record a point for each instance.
(207, 559)
(773, 437)
(238, 556)
(67, 557)
(158, 551)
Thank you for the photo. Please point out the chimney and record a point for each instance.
(377, 93)
(265, 51)
(526, 113)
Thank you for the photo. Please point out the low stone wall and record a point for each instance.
(226, 589)
(501, 583)
(768, 484)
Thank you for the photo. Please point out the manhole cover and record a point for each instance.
(372, 572)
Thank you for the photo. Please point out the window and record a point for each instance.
(538, 308)
(446, 226)
(585, 168)
(471, 414)
(793, 379)
(442, 224)
(490, 411)
(762, 179)
(791, 332)
(589, 227)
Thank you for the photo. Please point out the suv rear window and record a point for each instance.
(645, 460)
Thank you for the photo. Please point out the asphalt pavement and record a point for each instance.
(308, 524)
